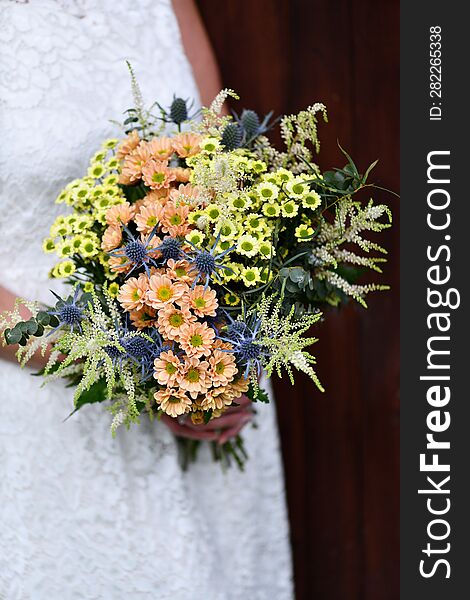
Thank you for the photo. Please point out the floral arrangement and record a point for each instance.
(199, 256)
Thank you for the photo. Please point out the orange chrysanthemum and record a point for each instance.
(203, 301)
(193, 377)
(216, 399)
(157, 175)
(222, 368)
(187, 144)
(143, 318)
(180, 270)
(134, 164)
(112, 237)
(171, 319)
(181, 175)
(167, 368)
(186, 194)
(239, 386)
(160, 148)
(163, 291)
(120, 214)
(128, 144)
(119, 264)
(173, 402)
(148, 217)
(196, 339)
(133, 294)
(174, 219)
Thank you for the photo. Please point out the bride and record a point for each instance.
(84, 516)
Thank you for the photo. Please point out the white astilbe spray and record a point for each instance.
(335, 243)
(282, 337)
(212, 123)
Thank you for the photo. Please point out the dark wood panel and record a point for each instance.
(340, 449)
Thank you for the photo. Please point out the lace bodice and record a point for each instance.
(84, 516)
(63, 78)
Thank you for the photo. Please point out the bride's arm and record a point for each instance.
(198, 49)
(7, 301)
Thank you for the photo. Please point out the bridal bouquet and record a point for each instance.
(198, 256)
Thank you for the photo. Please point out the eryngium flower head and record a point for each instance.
(69, 312)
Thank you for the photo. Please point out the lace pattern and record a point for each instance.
(84, 516)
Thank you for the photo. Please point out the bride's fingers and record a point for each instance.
(232, 432)
(226, 420)
(187, 432)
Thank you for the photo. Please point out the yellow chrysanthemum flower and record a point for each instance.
(89, 247)
(63, 197)
(296, 188)
(48, 245)
(304, 232)
(266, 249)
(112, 164)
(289, 209)
(239, 202)
(283, 176)
(213, 212)
(113, 289)
(231, 299)
(96, 170)
(247, 245)
(311, 200)
(227, 230)
(112, 181)
(223, 245)
(196, 237)
(88, 287)
(60, 229)
(257, 166)
(65, 249)
(209, 144)
(267, 191)
(250, 276)
(254, 223)
(110, 143)
(271, 210)
(76, 242)
(98, 157)
(63, 269)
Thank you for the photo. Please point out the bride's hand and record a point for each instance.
(218, 430)
(7, 301)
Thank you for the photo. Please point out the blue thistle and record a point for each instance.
(232, 137)
(69, 312)
(170, 248)
(207, 262)
(136, 252)
(138, 349)
(178, 111)
(243, 337)
(251, 127)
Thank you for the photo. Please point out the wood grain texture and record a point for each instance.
(340, 449)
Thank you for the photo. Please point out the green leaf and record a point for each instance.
(12, 336)
(43, 317)
(31, 326)
(296, 274)
(207, 416)
(96, 393)
(350, 160)
(367, 173)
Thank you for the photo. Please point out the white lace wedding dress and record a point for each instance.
(83, 516)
